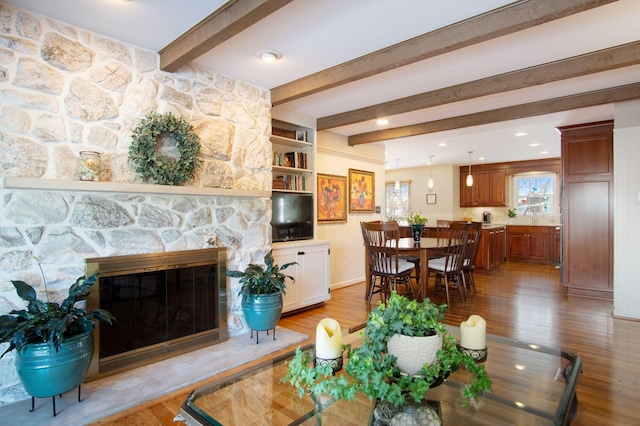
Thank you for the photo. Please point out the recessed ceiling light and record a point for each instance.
(442, 144)
(534, 144)
(544, 152)
(269, 55)
(480, 158)
(521, 134)
(382, 122)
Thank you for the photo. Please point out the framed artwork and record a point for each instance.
(332, 199)
(361, 191)
(301, 135)
(431, 198)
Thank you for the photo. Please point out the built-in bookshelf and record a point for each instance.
(293, 150)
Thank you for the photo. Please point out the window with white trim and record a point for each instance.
(535, 193)
(397, 201)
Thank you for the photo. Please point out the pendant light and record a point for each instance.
(430, 181)
(397, 185)
(469, 177)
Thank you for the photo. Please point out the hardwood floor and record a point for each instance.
(523, 301)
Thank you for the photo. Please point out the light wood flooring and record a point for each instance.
(523, 301)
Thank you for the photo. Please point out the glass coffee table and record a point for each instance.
(532, 384)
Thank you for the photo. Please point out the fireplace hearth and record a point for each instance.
(165, 304)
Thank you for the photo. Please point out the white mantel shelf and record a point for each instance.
(123, 187)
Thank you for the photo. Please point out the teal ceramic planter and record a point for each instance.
(46, 373)
(262, 312)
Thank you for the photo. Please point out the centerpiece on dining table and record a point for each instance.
(417, 223)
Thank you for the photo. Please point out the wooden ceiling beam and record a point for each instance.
(508, 19)
(216, 28)
(595, 62)
(565, 103)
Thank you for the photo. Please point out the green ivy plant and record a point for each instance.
(512, 213)
(372, 371)
(150, 164)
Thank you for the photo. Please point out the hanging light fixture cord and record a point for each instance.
(430, 181)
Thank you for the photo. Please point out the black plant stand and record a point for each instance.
(53, 399)
(258, 332)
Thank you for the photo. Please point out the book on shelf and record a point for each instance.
(290, 182)
(296, 160)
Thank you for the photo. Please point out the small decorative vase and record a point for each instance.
(90, 166)
(413, 352)
(417, 232)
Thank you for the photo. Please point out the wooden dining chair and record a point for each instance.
(468, 265)
(386, 268)
(448, 269)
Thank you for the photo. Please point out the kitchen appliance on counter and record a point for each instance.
(486, 217)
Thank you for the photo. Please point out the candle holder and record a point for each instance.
(335, 363)
(479, 355)
(90, 166)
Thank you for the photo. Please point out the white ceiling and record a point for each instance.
(315, 35)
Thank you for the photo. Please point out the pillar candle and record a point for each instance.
(473, 333)
(328, 339)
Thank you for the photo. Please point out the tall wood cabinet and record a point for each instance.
(587, 253)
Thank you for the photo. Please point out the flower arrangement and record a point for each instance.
(417, 219)
(512, 213)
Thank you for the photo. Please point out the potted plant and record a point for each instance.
(417, 223)
(372, 370)
(53, 342)
(262, 288)
(512, 213)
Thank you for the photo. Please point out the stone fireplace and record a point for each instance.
(66, 90)
(165, 304)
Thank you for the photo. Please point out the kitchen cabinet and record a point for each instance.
(587, 243)
(529, 243)
(488, 190)
(491, 251)
(312, 273)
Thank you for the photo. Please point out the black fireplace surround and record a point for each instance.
(165, 304)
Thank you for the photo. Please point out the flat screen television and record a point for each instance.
(292, 216)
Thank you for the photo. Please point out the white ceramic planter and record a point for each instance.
(413, 352)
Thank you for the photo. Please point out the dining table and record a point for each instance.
(424, 249)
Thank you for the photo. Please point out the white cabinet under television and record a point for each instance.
(312, 274)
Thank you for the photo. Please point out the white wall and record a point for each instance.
(336, 157)
(626, 282)
(445, 179)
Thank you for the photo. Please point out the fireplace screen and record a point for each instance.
(164, 304)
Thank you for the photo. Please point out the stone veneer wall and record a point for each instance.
(64, 90)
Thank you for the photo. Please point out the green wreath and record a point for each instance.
(151, 164)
